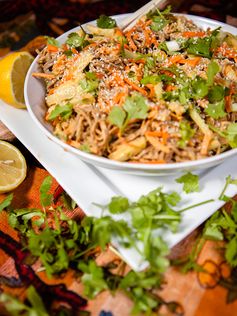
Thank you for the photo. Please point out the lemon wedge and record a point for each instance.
(13, 69)
(12, 167)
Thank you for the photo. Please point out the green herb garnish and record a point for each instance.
(62, 111)
(106, 22)
(190, 182)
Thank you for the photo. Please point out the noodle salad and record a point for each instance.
(162, 92)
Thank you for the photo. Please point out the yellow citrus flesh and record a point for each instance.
(12, 167)
(13, 69)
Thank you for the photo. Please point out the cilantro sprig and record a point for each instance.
(190, 182)
(159, 18)
(74, 40)
(106, 22)
(62, 111)
(135, 107)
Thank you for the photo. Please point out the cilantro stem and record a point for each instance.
(195, 205)
(228, 181)
(224, 190)
(78, 255)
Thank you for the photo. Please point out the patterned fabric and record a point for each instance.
(193, 294)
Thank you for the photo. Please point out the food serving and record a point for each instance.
(162, 92)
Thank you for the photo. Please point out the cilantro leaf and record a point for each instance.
(216, 93)
(136, 107)
(34, 306)
(190, 182)
(138, 287)
(216, 110)
(64, 111)
(200, 47)
(231, 252)
(106, 22)
(212, 69)
(158, 23)
(90, 83)
(45, 197)
(6, 202)
(92, 279)
(159, 19)
(150, 79)
(231, 134)
(75, 40)
(200, 88)
(52, 41)
(106, 227)
(85, 148)
(36, 302)
(117, 116)
(118, 204)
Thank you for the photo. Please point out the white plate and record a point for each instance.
(34, 96)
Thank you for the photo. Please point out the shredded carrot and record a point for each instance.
(118, 32)
(227, 51)
(228, 103)
(51, 91)
(90, 46)
(119, 98)
(191, 62)
(169, 87)
(189, 34)
(177, 117)
(135, 87)
(74, 50)
(42, 75)
(167, 73)
(174, 59)
(64, 46)
(118, 80)
(52, 48)
(152, 90)
(127, 47)
(163, 135)
(68, 77)
(130, 40)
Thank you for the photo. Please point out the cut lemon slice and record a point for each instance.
(13, 69)
(12, 167)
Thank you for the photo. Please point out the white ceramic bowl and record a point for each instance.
(34, 92)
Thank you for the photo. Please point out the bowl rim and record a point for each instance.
(109, 163)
